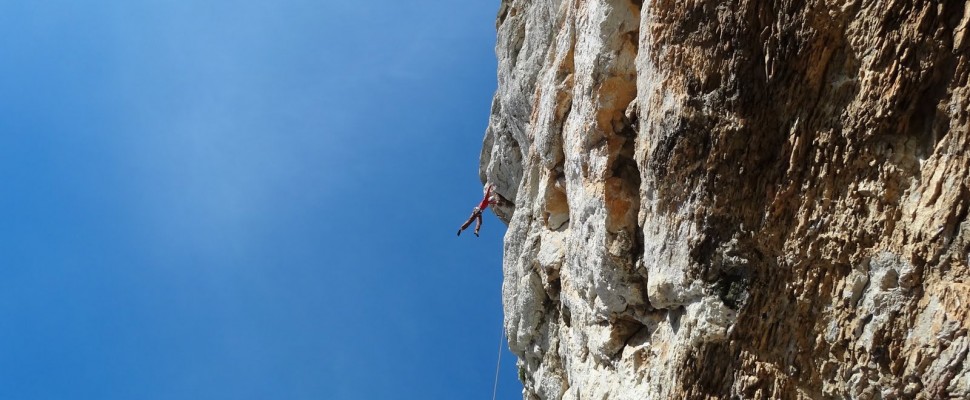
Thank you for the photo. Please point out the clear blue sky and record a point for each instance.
(246, 200)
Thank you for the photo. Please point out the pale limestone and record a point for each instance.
(744, 199)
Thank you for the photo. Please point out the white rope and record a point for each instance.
(501, 342)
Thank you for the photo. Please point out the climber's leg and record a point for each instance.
(478, 225)
(475, 213)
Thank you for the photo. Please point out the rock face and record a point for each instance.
(748, 199)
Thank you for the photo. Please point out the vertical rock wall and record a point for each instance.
(748, 199)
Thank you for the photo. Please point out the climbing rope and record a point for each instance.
(501, 342)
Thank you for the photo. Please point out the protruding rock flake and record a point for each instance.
(752, 200)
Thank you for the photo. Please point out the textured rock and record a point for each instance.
(756, 199)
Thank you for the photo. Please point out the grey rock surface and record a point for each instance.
(750, 199)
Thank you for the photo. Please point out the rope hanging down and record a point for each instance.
(498, 364)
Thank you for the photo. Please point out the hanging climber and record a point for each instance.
(489, 199)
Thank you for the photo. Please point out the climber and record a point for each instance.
(477, 212)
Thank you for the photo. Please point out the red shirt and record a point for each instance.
(486, 201)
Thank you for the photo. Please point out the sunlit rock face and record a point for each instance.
(756, 199)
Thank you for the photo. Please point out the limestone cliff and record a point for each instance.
(740, 199)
